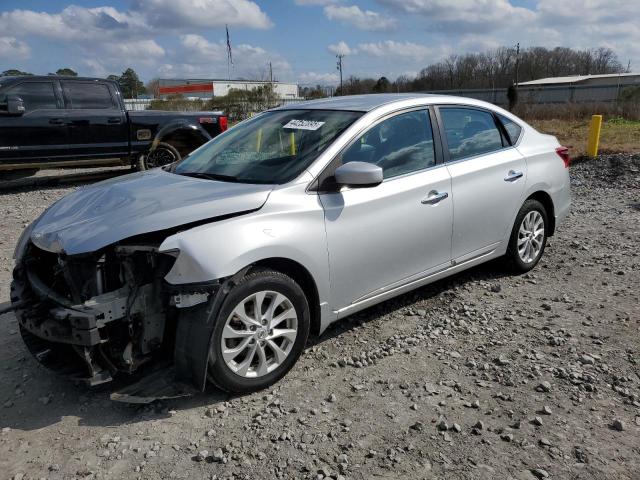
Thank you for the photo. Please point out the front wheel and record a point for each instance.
(260, 332)
(528, 237)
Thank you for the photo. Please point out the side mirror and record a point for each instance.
(15, 105)
(359, 174)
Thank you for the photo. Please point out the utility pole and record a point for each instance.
(270, 74)
(339, 67)
(517, 61)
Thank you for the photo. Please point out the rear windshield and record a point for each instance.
(274, 148)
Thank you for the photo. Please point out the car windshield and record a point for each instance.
(273, 148)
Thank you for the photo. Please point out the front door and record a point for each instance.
(40, 132)
(382, 237)
(488, 178)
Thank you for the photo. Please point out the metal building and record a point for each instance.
(204, 88)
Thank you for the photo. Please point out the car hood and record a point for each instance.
(106, 212)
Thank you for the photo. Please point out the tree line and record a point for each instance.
(497, 68)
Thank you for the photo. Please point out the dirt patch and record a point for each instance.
(482, 375)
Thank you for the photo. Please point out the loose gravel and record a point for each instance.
(483, 375)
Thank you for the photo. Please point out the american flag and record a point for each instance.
(229, 46)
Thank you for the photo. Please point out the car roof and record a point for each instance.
(369, 102)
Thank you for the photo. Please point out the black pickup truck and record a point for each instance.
(67, 122)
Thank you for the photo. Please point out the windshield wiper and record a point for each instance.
(211, 176)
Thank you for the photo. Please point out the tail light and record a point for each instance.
(223, 122)
(563, 153)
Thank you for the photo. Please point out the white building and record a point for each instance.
(207, 88)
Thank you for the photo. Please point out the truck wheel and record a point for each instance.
(260, 332)
(162, 155)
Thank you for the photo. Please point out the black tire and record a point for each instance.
(512, 258)
(163, 154)
(219, 373)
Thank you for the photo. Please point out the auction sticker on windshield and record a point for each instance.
(304, 124)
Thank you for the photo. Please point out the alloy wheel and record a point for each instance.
(531, 236)
(160, 157)
(259, 334)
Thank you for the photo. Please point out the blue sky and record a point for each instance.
(185, 38)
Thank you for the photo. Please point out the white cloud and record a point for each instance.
(176, 14)
(73, 23)
(197, 56)
(11, 47)
(341, 48)
(362, 19)
(391, 49)
(464, 15)
(314, 78)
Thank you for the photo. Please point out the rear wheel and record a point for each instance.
(260, 333)
(528, 237)
(162, 155)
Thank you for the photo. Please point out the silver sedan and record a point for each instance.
(225, 262)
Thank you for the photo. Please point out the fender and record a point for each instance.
(179, 125)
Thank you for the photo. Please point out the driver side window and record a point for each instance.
(35, 95)
(401, 144)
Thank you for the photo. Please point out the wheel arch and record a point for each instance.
(184, 136)
(302, 277)
(547, 202)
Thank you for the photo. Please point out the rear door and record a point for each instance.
(488, 178)
(41, 131)
(98, 125)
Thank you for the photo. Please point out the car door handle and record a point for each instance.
(513, 175)
(434, 197)
(56, 121)
(115, 120)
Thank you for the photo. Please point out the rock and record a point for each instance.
(546, 410)
(202, 455)
(545, 442)
(617, 425)
(332, 398)
(537, 421)
(442, 425)
(211, 433)
(507, 437)
(479, 425)
(540, 473)
(456, 428)
(218, 456)
(502, 360)
(418, 426)
(580, 454)
(543, 387)
(587, 360)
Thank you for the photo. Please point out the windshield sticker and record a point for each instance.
(304, 124)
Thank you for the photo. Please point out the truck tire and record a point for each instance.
(261, 330)
(162, 155)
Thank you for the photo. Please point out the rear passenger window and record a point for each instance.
(469, 132)
(86, 96)
(35, 95)
(401, 144)
(512, 128)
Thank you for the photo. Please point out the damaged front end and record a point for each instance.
(104, 314)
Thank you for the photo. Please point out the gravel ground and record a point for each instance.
(483, 375)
